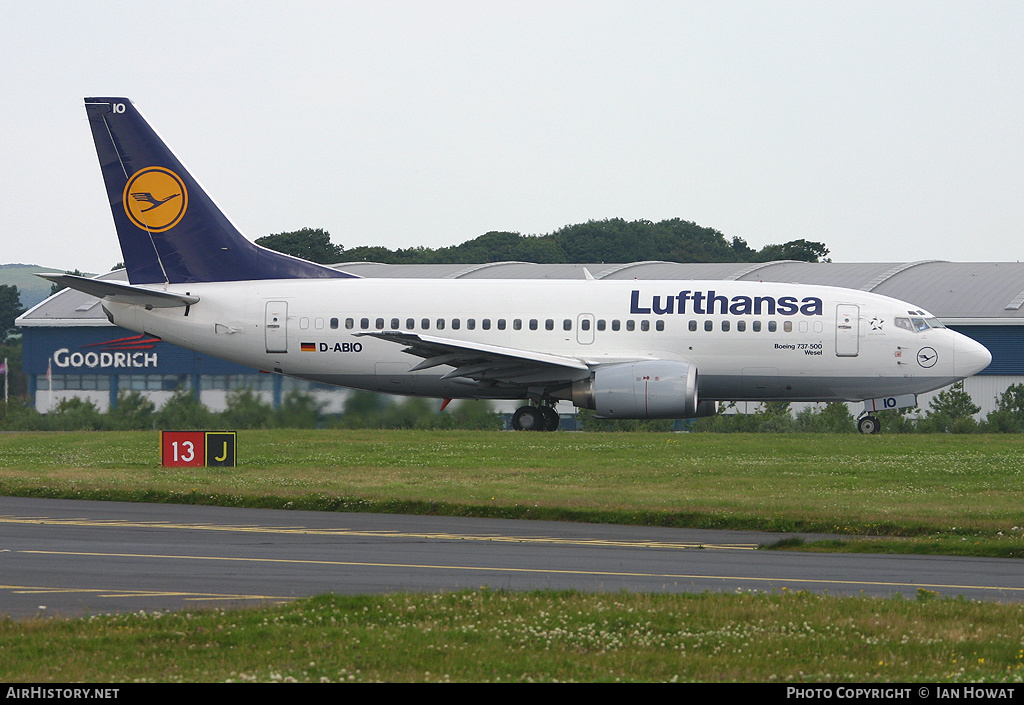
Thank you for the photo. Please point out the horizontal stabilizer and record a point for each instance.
(121, 293)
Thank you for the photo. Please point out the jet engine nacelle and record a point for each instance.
(652, 389)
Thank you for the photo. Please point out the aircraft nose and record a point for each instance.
(970, 356)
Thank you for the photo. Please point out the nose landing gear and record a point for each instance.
(869, 424)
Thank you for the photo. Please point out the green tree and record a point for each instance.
(476, 415)
(17, 381)
(313, 244)
(898, 420)
(17, 415)
(246, 409)
(610, 240)
(134, 412)
(10, 308)
(183, 412)
(362, 410)
(55, 287)
(834, 417)
(299, 410)
(951, 411)
(802, 250)
(75, 414)
(1008, 416)
(588, 421)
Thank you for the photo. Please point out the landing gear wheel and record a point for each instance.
(869, 424)
(528, 418)
(551, 419)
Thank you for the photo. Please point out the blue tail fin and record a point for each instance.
(170, 230)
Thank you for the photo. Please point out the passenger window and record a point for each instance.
(631, 325)
(772, 326)
(425, 324)
(471, 324)
(456, 324)
(486, 324)
(517, 324)
(585, 324)
(380, 323)
(645, 325)
(501, 324)
(440, 324)
(616, 325)
(741, 326)
(692, 325)
(549, 324)
(410, 323)
(757, 326)
(725, 326)
(364, 323)
(350, 323)
(533, 324)
(601, 324)
(318, 323)
(394, 324)
(709, 326)
(660, 325)
(567, 324)
(788, 326)
(334, 323)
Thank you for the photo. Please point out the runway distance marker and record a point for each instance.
(197, 449)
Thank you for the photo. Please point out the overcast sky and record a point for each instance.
(891, 131)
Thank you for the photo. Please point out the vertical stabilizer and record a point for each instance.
(170, 229)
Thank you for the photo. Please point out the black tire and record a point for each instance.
(869, 424)
(551, 419)
(528, 418)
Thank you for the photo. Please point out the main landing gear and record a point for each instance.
(535, 418)
(869, 424)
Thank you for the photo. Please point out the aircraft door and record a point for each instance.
(847, 330)
(585, 328)
(276, 326)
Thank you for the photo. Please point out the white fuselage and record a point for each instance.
(748, 340)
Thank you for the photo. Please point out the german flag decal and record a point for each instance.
(308, 347)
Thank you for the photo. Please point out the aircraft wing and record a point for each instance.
(487, 364)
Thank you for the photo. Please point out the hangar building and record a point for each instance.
(70, 349)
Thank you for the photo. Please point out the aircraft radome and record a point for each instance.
(626, 349)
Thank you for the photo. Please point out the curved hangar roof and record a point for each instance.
(956, 292)
(965, 293)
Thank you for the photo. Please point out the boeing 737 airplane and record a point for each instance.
(626, 349)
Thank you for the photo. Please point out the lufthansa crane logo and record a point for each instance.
(155, 199)
(927, 357)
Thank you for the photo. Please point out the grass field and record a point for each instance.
(494, 636)
(950, 494)
(935, 493)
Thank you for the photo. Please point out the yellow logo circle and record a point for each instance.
(155, 199)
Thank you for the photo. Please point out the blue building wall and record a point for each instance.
(1006, 343)
(112, 359)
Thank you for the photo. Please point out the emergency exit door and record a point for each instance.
(847, 330)
(276, 326)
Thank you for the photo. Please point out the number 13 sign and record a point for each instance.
(197, 448)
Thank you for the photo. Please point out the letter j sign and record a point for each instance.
(197, 448)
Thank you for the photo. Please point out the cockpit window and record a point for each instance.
(917, 325)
